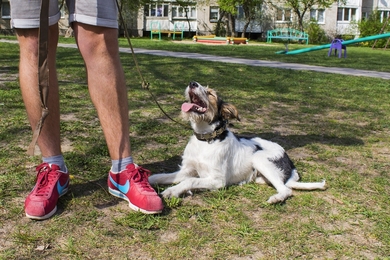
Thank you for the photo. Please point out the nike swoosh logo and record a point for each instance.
(61, 188)
(122, 188)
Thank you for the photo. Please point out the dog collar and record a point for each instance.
(210, 136)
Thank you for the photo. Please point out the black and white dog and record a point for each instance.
(215, 157)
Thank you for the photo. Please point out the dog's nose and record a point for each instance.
(193, 84)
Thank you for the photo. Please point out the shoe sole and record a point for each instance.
(120, 195)
(51, 213)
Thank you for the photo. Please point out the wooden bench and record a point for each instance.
(287, 34)
(238, 40)
(210, 39)
(219, 40)
(155, 28)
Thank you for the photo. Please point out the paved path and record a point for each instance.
(248, 62)
(263, 63)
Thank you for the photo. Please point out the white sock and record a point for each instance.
(120, 165)
(57, 160)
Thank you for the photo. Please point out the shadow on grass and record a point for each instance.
(295, 141)
(83, 186)
(86, 185)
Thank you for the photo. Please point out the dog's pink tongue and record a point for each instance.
(187, 107)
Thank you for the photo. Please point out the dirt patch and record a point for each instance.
(68, 117)
(66, 146)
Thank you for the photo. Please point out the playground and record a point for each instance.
(334, 127)
(339, 43)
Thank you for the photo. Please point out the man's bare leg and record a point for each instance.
(106, 82)
(49, 139)
(52, 181)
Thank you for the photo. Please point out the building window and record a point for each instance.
(346, 14)
(364, 16)
(156, 10)
(193, 12)
(183, 12)
(318, 15)
(214, 14)
(240, 13)
(283, 15)
(384, 15)
(5, 10)
(257, 12)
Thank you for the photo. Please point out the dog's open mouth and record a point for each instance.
(195, 105)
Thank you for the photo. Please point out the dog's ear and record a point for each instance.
(228, 111)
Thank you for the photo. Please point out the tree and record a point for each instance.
(300, 7)
(185, 4)
(220, 28)
(129, 10)
(132, 5)
(229, 7)
(251, 9)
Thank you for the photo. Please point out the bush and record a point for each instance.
(220, 29)
(317, 35)
(373, 26)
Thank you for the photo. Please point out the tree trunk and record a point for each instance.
(232, 29)
(189, 24)
(219, 24)
(300, 23)
(246, 25)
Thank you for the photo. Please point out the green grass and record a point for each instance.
(333, 127)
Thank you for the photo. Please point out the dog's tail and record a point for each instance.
(294, 184)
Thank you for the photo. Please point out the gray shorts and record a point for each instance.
(25, 14)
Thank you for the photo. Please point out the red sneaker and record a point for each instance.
(132, 185)
(51, 183)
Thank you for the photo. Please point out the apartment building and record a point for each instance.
(338, 19)
(202, 19)
(5, 16)
(342, 19)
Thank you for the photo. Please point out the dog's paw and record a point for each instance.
(275, 199)
(280, 197)
(324, 186)
(170, 192)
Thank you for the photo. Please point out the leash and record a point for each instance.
(145, 84)
(43, 71)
